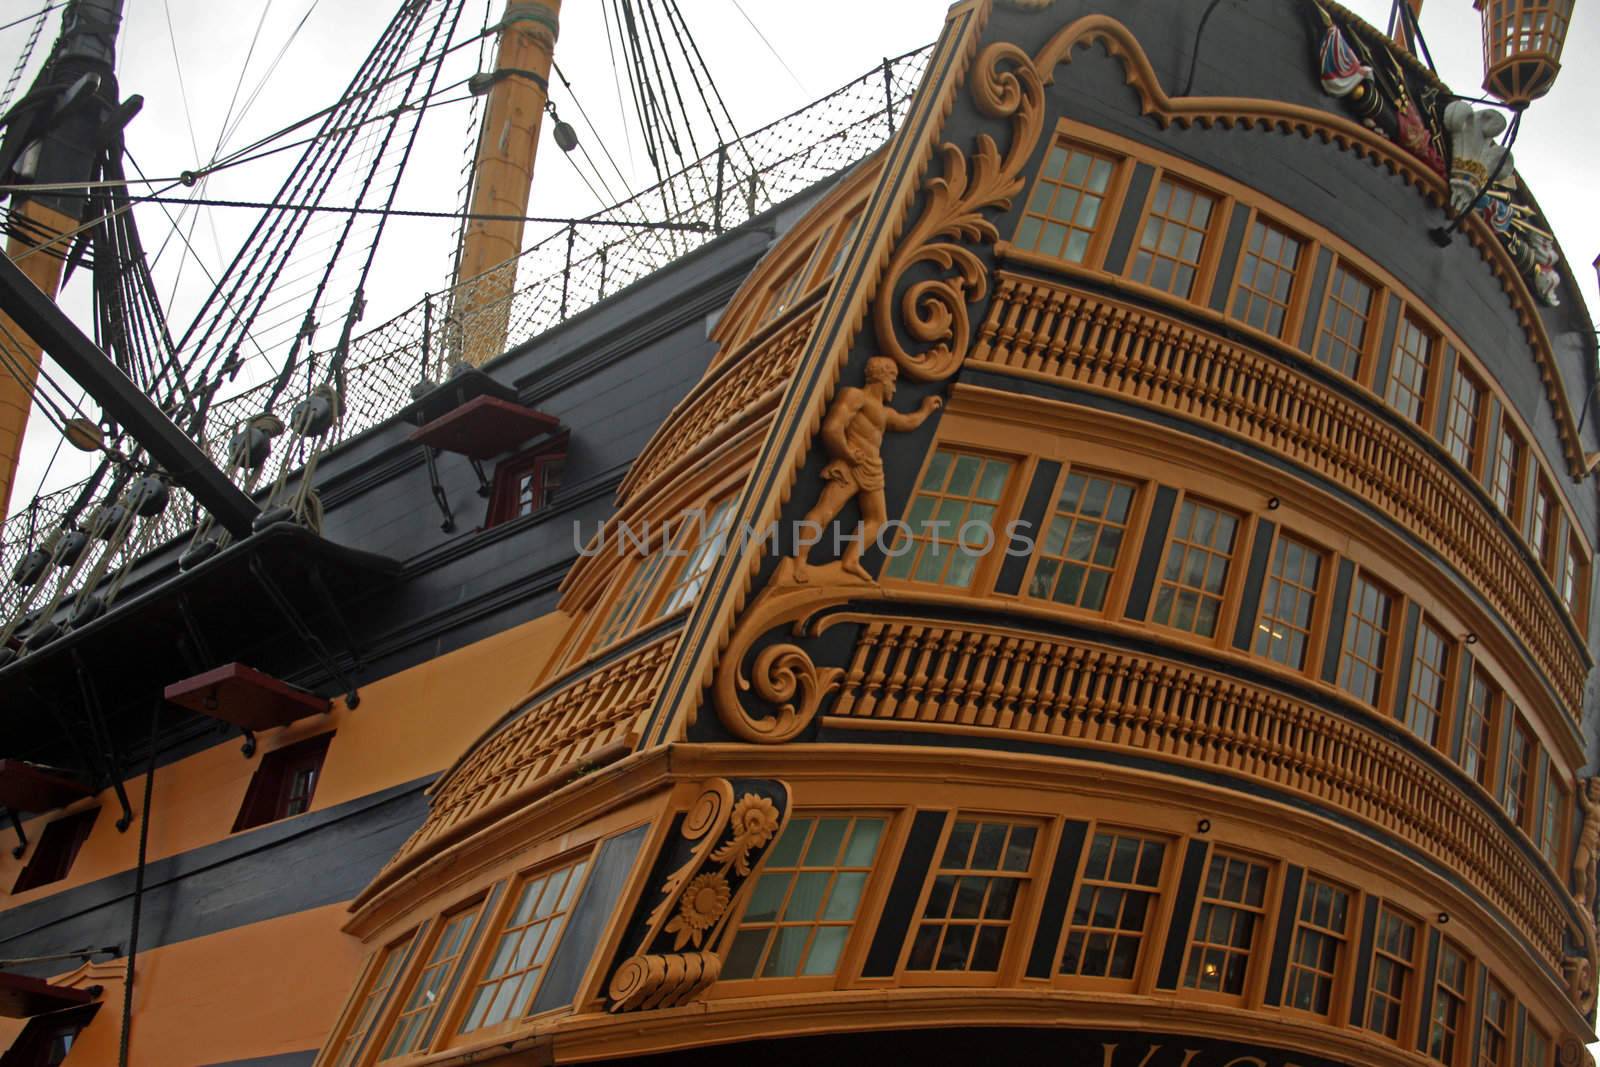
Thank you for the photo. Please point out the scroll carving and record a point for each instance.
(677, 959)
(932, 311)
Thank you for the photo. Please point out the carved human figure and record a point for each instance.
(1588, 850)
(1579, 974)
(852, 434)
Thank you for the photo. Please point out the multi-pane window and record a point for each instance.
(802, 910)
(1430, 680)
(528, 935)
(1366, 640)
(1174, 237)
(1266, 278)
(1494, 1039)
(1449, 1009)
(711, 538)
(1116, 902)
(1232, 905)
(1410, 369)
(1516, 792)
(1537, 1050)
(1553, 817)
(1394, 952)
(525, 485)
(1321, 936)
(1573, 575)
(951, 525)
(1064, 209)
(1541, 525)
(1189, 596)
(973, 896)
(793, 286)
(841, 247)
(1346, 321)
(630, 602)
(1462, 427)
(1507, 486)
(384, 973)
(1477, 728)
(1283, 632)
(1078, 554)
(432, 988)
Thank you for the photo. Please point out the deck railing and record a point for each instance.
(560, 276)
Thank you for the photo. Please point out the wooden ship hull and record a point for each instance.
(1212, 684)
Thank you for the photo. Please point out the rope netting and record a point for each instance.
(558, 277)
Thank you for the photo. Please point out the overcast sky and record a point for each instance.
(193, 63)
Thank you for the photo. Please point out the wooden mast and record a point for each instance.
(503, 176)
(54, 140)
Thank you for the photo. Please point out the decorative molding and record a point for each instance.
(1052, 331)
(912, 672)
(933, 311)
(600, 708)
(1346, 134)
(723, 843)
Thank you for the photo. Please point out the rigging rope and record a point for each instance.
(27, 52)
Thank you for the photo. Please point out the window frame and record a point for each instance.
(1258, 957)
(1506, 1027)
(1394, 632)
(1410, 1001)
(1350, 946)
(339, 1051)
(1473, 464)
(1157, 918)
(437, 1024)
(1228, 609)
(1111, 203)
(1428, 396)
(505, 496)
(1205, 268)
(852, 956)
(1023, 909)
(987, 570)
(1372, 336)
(1294, 308)
(59, 842)
(1512, 506)
(1133, 532)
(700, 526)
(1447, 682)
(268, 793)
(1494, 714)
(1527, 796)
(1439, 991)
(450, 1032)
(1321, 606)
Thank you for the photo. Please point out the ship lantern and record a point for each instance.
(1522, 42)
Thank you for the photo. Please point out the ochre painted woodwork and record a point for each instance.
(729, 828)
(1054, 332)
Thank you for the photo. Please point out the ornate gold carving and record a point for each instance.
(853, 433)
(933, 311)
(697, 898)
(1578, 970)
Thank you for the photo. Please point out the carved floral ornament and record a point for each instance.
(723, 841)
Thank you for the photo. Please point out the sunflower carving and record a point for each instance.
(702, 904)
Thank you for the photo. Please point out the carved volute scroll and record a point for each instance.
(722, 840)
(933, 311)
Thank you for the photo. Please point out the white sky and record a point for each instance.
(186, 56)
